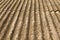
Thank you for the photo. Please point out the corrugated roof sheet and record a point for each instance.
(29, 19)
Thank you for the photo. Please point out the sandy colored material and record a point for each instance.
(29, 19)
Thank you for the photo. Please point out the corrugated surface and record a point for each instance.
(29, 19)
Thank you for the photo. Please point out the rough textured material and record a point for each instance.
(29, 19)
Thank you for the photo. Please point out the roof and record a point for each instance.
(29, 19)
